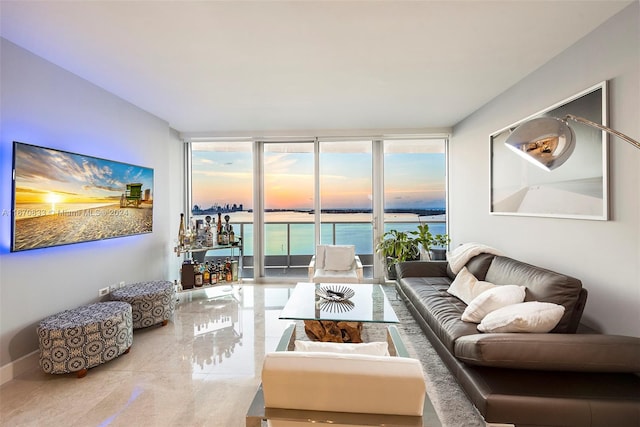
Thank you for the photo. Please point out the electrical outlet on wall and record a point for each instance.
(104, 291)
(122, 284)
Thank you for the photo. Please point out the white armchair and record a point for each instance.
(335, 264)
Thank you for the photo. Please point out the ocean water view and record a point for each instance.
(292, 233)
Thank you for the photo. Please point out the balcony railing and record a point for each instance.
(289, 246)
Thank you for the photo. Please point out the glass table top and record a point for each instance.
(368, 304)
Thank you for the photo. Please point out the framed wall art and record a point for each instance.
(578, 188)
(60, 198)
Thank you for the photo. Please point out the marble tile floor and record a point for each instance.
(202, 369)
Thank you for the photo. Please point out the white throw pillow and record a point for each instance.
(376, 348)
(466, 287)
(491, 300)
(339, 258)
(531, 316)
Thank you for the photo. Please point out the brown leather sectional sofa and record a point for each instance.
(568, 377)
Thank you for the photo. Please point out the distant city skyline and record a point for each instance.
(240, 208)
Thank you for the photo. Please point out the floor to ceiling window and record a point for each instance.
(344, 186)
(415, 184)
(222, 184)
(345, 177)
(288, 204)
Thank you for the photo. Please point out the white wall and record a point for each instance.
(605, 255)
(44, 105)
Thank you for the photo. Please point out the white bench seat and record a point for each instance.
(358, 383)
(341, 389)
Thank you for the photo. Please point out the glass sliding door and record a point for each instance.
(415, 184)
(288, 191)
(221, 183)
(352, 190)
(346, 207)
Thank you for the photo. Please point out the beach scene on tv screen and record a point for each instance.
(62, 198)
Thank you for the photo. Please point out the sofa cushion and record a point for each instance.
(466, 287)
(423, 269)
(551, 352)
(333, 276)
(478, 266)
(532, 316)
(491, 300)
(542, 285)
(441, 310)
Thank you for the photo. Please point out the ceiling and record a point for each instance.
(239, 66)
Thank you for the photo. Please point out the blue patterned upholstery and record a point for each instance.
(79, 339)
(151, 302)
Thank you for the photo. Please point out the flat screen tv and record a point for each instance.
(60, 198)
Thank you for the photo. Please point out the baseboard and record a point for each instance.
(18, 367)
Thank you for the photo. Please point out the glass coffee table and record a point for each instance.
(336, 312)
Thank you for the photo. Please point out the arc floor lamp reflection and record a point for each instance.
(548, 142)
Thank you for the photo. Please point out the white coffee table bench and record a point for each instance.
(347, 389)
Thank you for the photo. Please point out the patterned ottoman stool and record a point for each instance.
(79, 339)
(151, 302)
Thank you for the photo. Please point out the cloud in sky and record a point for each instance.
(79, 177)
(411, 179)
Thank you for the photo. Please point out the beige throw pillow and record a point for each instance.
(466, 287)
(339, 257)
(491, 300)
(531, 316)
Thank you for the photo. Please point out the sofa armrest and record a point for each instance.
(421, 269)
(551, 352)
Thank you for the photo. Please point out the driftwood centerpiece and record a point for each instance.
(330, 331)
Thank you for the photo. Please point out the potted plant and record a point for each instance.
(439, 252)
(423, 238)
(432, 247)
(397, 246)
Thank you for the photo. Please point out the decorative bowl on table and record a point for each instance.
(335, 293)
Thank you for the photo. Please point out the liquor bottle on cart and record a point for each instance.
(206, 276)
(219, 228)
(227, 270)
(212, 273)
(181, 231)
(220, 272)
(209, 237)
(197, 279)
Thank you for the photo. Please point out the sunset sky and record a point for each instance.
(49, 176)
(413, 180)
